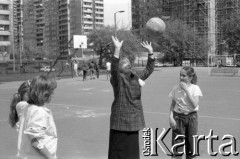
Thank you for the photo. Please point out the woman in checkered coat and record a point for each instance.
(127, 113)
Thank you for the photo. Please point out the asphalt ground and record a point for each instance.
(81, 112)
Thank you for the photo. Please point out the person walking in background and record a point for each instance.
(75, 67)
(219, 63)
(96, 69)
(37, 131)
(127, 116)
(183, 111)
(91, 69)
(85, 69)
(108, 68)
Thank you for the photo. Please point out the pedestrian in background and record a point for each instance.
(85, 69)
(108, 68)
(96, 69)
(75, 67)
(91, 69)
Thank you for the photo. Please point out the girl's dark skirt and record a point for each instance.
(123, 145)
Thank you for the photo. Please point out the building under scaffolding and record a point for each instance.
(205, 16)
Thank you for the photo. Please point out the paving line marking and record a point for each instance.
(201, 116)
(211, 117)
(148, 112)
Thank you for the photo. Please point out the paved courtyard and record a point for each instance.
(81, 111)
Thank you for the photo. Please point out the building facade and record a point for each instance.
(6, 29)
(40, 28)
(78, 18)
(49, 25)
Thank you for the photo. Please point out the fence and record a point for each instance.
(226, 65)
(62, 67)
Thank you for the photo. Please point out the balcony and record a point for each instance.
(99, 23)
(63, 24)
(99, 12)
(5, 43)
(4, 32)
(99, 17)
(5, 12)
(87, 22)
(99, 6)
(5, 22)
(5, 2)
(99, 2)
(87, 11)
(89, 1)
(87, 5)
(88, 16)
(88, 27)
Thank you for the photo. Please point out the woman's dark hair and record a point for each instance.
(17, 97)
(191, 73)
(41, 90)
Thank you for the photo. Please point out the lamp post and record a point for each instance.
(115, 21)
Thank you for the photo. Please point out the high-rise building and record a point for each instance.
(40, 27)
(17, 27)
(206, 16)
(78, 18)
(49, 25)
(6, 29)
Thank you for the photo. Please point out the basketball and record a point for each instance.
(155, 25)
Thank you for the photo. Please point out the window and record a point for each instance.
(4, 38)
(4, 7)
(4, 17)
(4, 27)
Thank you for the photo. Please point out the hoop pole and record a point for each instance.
(55, 62)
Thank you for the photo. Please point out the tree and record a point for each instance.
(179, 41)
(29, 48)
(102, 42)
(3, 52)
(231, 34)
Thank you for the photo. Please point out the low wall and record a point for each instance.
(225, 71)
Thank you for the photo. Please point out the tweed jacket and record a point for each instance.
(126, 110)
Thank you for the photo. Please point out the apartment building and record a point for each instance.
(39, 28)
(6, 38)
(78, 18)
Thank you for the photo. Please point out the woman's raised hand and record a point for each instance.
(117, 43)
(148, 46)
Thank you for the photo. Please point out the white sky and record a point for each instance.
(112, 6)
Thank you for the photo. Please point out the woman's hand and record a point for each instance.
(148, 46)
(117, 43)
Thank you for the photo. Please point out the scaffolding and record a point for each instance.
(193, 13)
(205, 16)
(224, 10)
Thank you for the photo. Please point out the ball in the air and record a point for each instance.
(155, 25)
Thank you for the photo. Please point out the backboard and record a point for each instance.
(79, 41)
